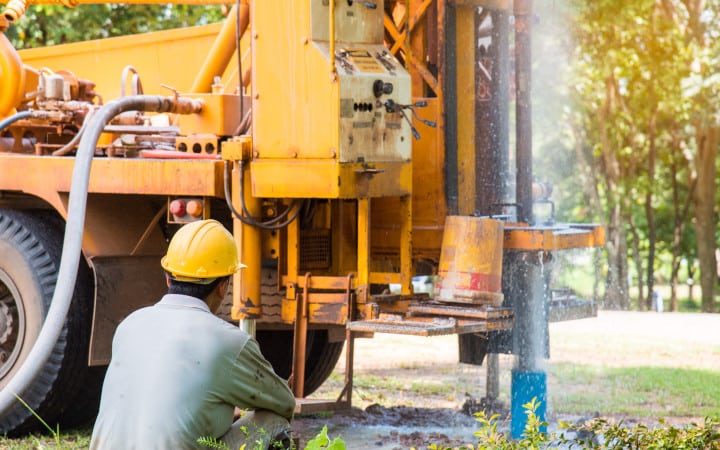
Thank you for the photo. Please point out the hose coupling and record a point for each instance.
(15, 9)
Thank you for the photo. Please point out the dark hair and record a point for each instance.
(196, 290)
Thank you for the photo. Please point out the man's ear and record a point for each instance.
(167, 279)
(222, 286)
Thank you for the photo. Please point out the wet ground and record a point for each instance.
(394, 427)
(411, 391)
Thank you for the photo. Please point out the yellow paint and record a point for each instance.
(220, 115)
(12, 77)
(428, 195)
(312, 128)
(471, 257)
(554, 238)
(247, 298)
(363, 248)
(223, 49)
(318, 178)
(160, 58)
(113, 176)
(465, 23)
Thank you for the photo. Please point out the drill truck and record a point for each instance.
(348, 145)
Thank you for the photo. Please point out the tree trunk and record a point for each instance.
(638, 264)
(680, 216)
(691, 286)
(616, 289)
(704, 201)
(650, 215)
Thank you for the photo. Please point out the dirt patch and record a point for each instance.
(411, 391)
(394, 427)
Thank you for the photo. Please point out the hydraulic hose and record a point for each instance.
(67, 148)
(12, 119)
(72, 243)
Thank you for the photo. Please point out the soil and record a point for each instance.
(411, 392)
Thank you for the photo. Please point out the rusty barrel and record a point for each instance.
(471, 261)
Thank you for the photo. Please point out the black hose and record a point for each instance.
(72, 244)
(248, 219)
(12, 119)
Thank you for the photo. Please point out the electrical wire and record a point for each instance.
(248, 219)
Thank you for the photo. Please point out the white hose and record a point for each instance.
(72, 243)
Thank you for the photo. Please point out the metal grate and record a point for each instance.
(315, 249)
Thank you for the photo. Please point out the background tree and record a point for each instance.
(697, 19)
(44, 25)
(653, 138)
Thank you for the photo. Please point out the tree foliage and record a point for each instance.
(54, 24)
(645, 107)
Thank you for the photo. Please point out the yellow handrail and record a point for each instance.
(331, 38)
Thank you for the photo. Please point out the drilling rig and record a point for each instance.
(349, 146)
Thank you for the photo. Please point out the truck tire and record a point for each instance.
(277, 345)
(320, 358)
(31, 247)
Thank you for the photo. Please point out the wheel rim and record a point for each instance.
(12, 324)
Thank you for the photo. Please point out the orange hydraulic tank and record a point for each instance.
(471, 261)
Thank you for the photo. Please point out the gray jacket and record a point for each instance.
(177, 372)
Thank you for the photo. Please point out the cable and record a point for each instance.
(12, 119)
(67, 148)
(248, 219)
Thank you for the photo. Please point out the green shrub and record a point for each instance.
(320, 442)
(607, 435)
(594, 434)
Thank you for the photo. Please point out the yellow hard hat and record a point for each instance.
(201, 252)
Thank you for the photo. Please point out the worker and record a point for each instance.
(178, 372)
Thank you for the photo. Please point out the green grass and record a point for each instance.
(372, 387)
(72, 440)
(687, 305)
(638, 391)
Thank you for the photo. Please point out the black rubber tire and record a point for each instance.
(320, 359)
(277, 345)
(31, 246)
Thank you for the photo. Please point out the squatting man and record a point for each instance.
(178, 371)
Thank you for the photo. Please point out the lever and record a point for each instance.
(391, 106)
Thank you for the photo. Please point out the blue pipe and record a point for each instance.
(12, 119)
(525, 387)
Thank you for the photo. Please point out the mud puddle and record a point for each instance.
(397, 427)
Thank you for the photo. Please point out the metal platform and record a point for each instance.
(435, 319)
(566, 305)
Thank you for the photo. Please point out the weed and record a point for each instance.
(597, 433)
(212, 442)
(58, 441)
(322, 442)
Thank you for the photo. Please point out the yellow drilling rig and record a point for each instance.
(350, 146)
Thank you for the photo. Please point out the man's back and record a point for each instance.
(176, 373)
